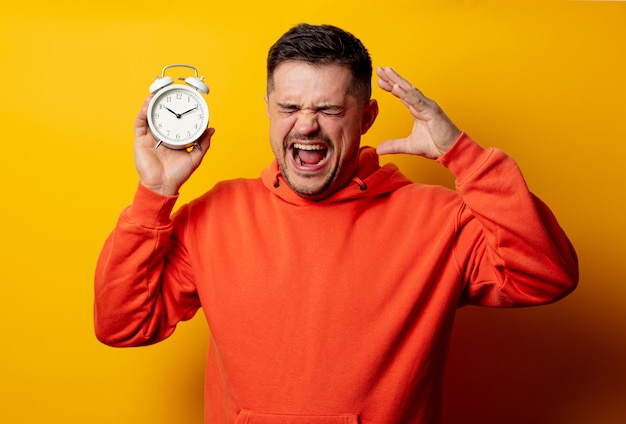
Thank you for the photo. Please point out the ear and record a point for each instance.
(368, 115)
(267, 105)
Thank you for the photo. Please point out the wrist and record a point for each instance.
(163, 190)
(451, 140)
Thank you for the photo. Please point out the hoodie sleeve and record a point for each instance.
(138, 299)
(510, 248)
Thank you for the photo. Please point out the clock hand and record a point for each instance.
(194, 108)
(177, 114)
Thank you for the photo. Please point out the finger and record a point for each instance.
(141, 122)
(400, 87)
(204, 142)
(384, 81)
(390, 79)
(199, 150)
(397, 79)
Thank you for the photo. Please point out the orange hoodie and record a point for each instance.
(337, 311)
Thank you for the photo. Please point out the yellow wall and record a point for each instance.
(544, 82)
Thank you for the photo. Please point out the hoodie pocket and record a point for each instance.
(250, 417)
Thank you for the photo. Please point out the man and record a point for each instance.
(330, 283)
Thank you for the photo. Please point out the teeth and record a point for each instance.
(308, 146)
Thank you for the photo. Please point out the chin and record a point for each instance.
(304, 187)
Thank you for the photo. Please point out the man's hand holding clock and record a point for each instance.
(165, 170)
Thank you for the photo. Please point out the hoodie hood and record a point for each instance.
(371, 180)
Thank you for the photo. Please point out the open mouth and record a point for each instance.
(309, 155)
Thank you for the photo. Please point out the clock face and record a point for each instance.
(178, 116)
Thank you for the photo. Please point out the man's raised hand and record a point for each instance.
(433, 133)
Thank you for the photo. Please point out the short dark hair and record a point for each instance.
(324, 45)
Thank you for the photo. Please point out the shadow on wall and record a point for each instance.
(554, 364)
(536, 365)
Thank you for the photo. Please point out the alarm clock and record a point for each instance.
(177, 113)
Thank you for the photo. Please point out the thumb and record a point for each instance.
(392, 146)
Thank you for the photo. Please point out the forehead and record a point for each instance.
(300, 81)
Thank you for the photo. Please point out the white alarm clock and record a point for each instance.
(178, 114)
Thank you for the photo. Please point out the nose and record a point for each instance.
(307, 122)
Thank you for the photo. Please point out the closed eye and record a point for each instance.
(288, 108)
(326, 110)
(331, 111)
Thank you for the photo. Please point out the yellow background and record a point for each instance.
(545, 82)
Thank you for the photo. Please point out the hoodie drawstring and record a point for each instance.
(277, 180)
(359, 182)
